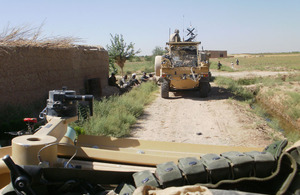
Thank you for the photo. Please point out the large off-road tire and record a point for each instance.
(204, 89)
(157, 65)
(165, 86)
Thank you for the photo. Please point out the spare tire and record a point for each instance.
(157, 65)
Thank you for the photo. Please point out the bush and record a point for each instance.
(293, 105)
(148, 58)
(113, 116)
(234, 86)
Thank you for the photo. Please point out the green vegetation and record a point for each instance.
(138, 67)
(292, 103)
(158, 51)
(114, 115)
(236, 88)
(139, 64)
(269, 62)
(119, 51)
(273, 87)
(214, 65)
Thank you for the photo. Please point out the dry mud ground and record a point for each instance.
(215, 120)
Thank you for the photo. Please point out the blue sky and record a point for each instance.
(238, 26)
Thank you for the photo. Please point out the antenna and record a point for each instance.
(183, 28)
(169, 34)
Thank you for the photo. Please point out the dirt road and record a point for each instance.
(216, 120)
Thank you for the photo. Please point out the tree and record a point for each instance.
(158, 51)
(119, 51)
(112, 68)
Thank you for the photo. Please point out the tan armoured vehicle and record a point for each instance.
(185, 67)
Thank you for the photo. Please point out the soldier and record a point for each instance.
(144, 78)
(219, 65)
(175, 36)
(112, 81)
(152, 78)
(133, 81)
(124, 82)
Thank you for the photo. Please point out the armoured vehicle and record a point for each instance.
(52, 161)
(184, 67)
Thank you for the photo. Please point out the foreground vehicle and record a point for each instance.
(51, 161)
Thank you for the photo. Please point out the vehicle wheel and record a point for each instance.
(165, 89)
(210, 76)
(157, 65)
(204, 89)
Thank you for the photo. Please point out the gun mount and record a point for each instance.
(63, 103)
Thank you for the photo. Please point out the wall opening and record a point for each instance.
(93, 87)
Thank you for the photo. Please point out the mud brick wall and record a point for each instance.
(28, 73)
(217, 54)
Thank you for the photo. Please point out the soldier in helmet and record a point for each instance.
(175, 36)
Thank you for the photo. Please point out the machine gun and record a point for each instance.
(63, 103)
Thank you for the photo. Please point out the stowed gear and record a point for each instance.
(254, 172)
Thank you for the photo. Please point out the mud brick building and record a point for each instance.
(27, 73)
(217, 53)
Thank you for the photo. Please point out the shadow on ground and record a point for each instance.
(216, 93)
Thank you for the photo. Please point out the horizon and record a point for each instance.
(257, 26)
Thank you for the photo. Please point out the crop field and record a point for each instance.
(268, 62)
(278, 96)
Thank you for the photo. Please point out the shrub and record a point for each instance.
(113, 116)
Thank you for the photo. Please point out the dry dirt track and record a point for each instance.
(215, 120)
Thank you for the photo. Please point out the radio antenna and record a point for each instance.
(183, 28)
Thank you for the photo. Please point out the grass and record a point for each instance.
(292, 103)
(236, 88)
(138, 67)
(214, 65)
(269, 62)
(32, 36)
(114, 116)
(273, 87)
(276, 123)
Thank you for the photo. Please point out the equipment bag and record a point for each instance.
(169, 174)
(241, 164)
(145, 178)
(217, 167)
(264, 163)
(276, 148)
(193, 170)
(125, 189)
(277, 183)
